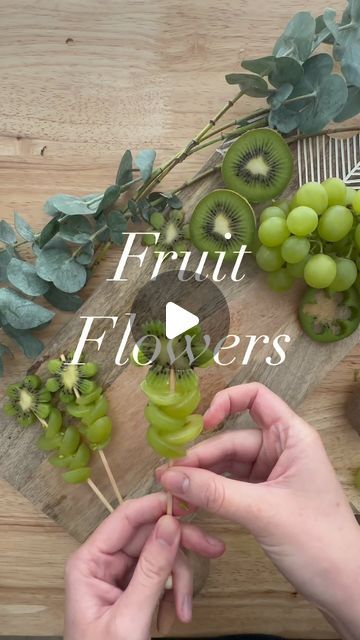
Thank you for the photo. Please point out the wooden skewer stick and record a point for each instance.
(169, 498)
(100, 495)
(103, 459)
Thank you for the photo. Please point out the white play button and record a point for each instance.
(178, 320)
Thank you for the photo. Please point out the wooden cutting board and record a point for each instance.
(254, 310)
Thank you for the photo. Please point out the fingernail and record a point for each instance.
(214, 542)
(176, 481)
(186, 608)
(167, 530)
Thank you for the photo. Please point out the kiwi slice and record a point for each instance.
(258, 165)
(222, 221)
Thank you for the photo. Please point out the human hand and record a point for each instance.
(283, 489)
(117, 577)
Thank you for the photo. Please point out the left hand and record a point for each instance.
(115, 581)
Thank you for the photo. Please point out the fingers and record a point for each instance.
(121, 526)
(265, 407)
(220, 451)
(183, 587)
(194, 539)
(155, 564)
(232, 499)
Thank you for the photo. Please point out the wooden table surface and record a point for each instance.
(81, 82)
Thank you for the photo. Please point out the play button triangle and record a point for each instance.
(178, 320)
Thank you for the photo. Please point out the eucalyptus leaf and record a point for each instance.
(351, 107)
(251, 85)
(285, 71)
(280, 96)
(260, 66)
(7, 233)
(70, 205)
(76, 229)
(330, 99)
(109, 198)
(5, 257)
(63, 301)
(145, 209)
(23, 228)
(297, 40)
(30, 345)
(58, 266)
(117, 225)
(86, 254)
(101, 222)
(145, 162)
(49, 231)
(322, 33)
(347, 41)
(284, 119)
(23, 276)
(22, 313)
(135, 211)
(174, 201)
(49, 208)
(4, 350)
(124, 173)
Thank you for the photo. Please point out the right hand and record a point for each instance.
(283, 489)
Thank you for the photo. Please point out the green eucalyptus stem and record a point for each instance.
(236, 123)
(233, 134)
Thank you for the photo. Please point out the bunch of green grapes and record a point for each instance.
(71, 445)
(315, 237)
(172, 389)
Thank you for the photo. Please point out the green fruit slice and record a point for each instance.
(162, 399)
(185, 406)
(77, 476)
(96, 411)
(188, 433)
(100, 430)
(161, 420)
(70, 442)
(160, 446)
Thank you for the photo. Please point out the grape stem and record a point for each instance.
(100, 495)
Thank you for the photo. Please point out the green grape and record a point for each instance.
(313, 195)
(273, 232)
(356, 202)
(269, 258)
(89, 398)
(163, 449)
(280, 280)
(295, 249)
(80, 458)
(282, 204)
(296, 270)
(99, 431)
(70, 441)
(98, 410)
(346, 274)
(77, 410)
(320, 271)
(77, 476)
(54, 423)
(162, 420)
(350, 195)
(189, 432)
(335, 223)
(336, 190)
(272, 212)
(49, 444)
(185, 406)
(357, 236)
(160, 397)
(60, 462)
(302, 221)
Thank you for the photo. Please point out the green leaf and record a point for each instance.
(109, 198)
(22, 313)
(22, 227)
(49, 231)
(251, 85)
(352, 105)
(76, 229)
(285, 71)
(23, 276)
(347, 41)
(63, 301)
(260, 66)
(30, 345)
(145, 162)
(124, 173)
(297, 40)
(279, 97)
(86, 254)
(7, 234)
(322, 33)
(58, 266)
(101, 222)
(117, 225)
(4, 350)
(70, 205)
(174, 202)
(330, 100)
(5, 257)
(135, 211)
(284, 119)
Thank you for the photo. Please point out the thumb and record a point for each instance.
(240, 502)
(154, 566)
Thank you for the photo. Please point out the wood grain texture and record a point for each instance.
(135, 74)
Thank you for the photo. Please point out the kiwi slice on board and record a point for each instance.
(258, 165)
(222, 221)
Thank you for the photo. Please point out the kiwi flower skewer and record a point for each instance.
(84, 399)
(30, 402)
